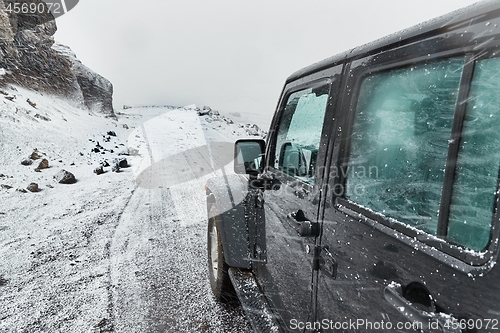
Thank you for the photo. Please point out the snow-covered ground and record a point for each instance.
(118, 251)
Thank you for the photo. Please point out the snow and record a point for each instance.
(106, 253)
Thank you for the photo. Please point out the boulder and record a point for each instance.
(27, 161)
(121, 162)
(33, 187)
(99, 170)
(65, 177)
(44, 164)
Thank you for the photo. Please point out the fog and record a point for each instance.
(231, 55)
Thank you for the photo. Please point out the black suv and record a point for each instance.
(374, 202)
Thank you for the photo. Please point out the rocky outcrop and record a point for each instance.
(29, 57)
(96, 90)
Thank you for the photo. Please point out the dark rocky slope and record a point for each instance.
(29, 57)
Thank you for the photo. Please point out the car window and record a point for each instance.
(299, 133)
(476, 175)
(399, 141)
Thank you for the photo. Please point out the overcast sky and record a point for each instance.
(232, 55)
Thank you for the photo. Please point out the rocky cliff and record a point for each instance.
(30, 58)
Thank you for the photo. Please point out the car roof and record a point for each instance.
(459, 19)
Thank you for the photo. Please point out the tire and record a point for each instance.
(217, 268)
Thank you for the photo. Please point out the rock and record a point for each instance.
(252, 131)
(27, 161)
(115, 168)
(44, 164)
(97, 91)
(22, 190)
(125, 126)
(105, 163)
(125, 151)
(203, 112)
(44, 118)
(99, 170)
(29, 58)
(34, 155)
(5, 186)
(121, 161)
(33, 187)
(31, 103)
(111, 133)
(65, 177)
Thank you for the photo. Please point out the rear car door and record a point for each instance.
(411, 216)
(296, 152)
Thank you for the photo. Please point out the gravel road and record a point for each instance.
(118, 252)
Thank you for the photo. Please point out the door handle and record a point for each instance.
(429, 321)
(303, 226)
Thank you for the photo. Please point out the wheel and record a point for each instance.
(217, 268)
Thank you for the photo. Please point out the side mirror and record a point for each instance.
(249, 156)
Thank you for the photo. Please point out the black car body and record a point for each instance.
(373, 204)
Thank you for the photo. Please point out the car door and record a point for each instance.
(295, 153)
(411, 212)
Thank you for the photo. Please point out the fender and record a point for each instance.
(229, 193)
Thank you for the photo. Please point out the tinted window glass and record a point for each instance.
(299, 133)
(478, 160)
(399, 142)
